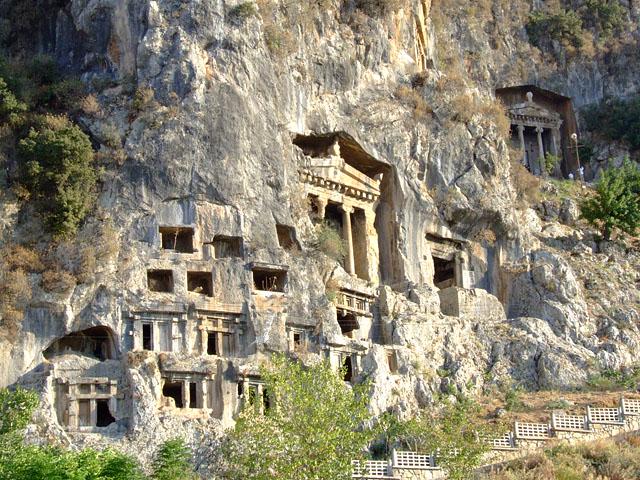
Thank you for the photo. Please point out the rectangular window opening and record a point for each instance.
(160, 280)
(286, 237)
(269, 280)
(193, 395)
(179, 239)
(104, 417)
(227, 247)
(147, 336)
(348, 323)
(200, 282)
(173, 390)
(444, 272)
(212, 343)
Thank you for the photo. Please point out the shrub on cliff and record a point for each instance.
(616, 120)
(561, 25)
(616, 204)
(56, 167)
(330, 242)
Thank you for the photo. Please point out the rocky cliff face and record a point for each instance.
(203, 108)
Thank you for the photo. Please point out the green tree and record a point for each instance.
(560, 25)
(10, 107)
(313, 428)
(452, 431)
(606, 17)
(16, 408)
(616, 204)
(57, 169)
(172, 461)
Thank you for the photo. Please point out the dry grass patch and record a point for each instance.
(419, 106)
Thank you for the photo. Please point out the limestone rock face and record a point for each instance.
(549, 291)
(243, 140)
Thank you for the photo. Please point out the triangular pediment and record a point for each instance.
(533, 110)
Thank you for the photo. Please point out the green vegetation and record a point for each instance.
(513, 400)
(29, 462)
(616, 204)
(453, 429)
(330, 242)
(313, 426)
(603, 460)
(551, 162)
(243, 11)
(57, 169)
(172, 462)
(612, 380)
(380, 8)
(16, 408)
(603, 18)
(617, 120)
(560, 25)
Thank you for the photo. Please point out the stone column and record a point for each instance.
(349, 263)
(522, 145)
(186, 393)
(203, 338)
(155, 336)
(93, 407)
(203, 393)
(371, 240)
(237, 345)
(220, 344)
(461, 271)
(321, 205)
(137, 333)
(543, 170)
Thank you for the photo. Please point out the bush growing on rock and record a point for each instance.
(616, 204)
(561, 25)
(330, 242)
(617, 120)
(57, 169)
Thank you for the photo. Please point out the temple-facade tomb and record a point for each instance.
(84, 404)
(542, 124)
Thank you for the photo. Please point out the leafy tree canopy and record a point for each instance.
(616, 204)
(57, 169)
(313, 428)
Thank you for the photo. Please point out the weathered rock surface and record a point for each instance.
(213, 151)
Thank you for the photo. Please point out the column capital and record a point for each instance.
(520, 127)
(539, 129)
(346, 208)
